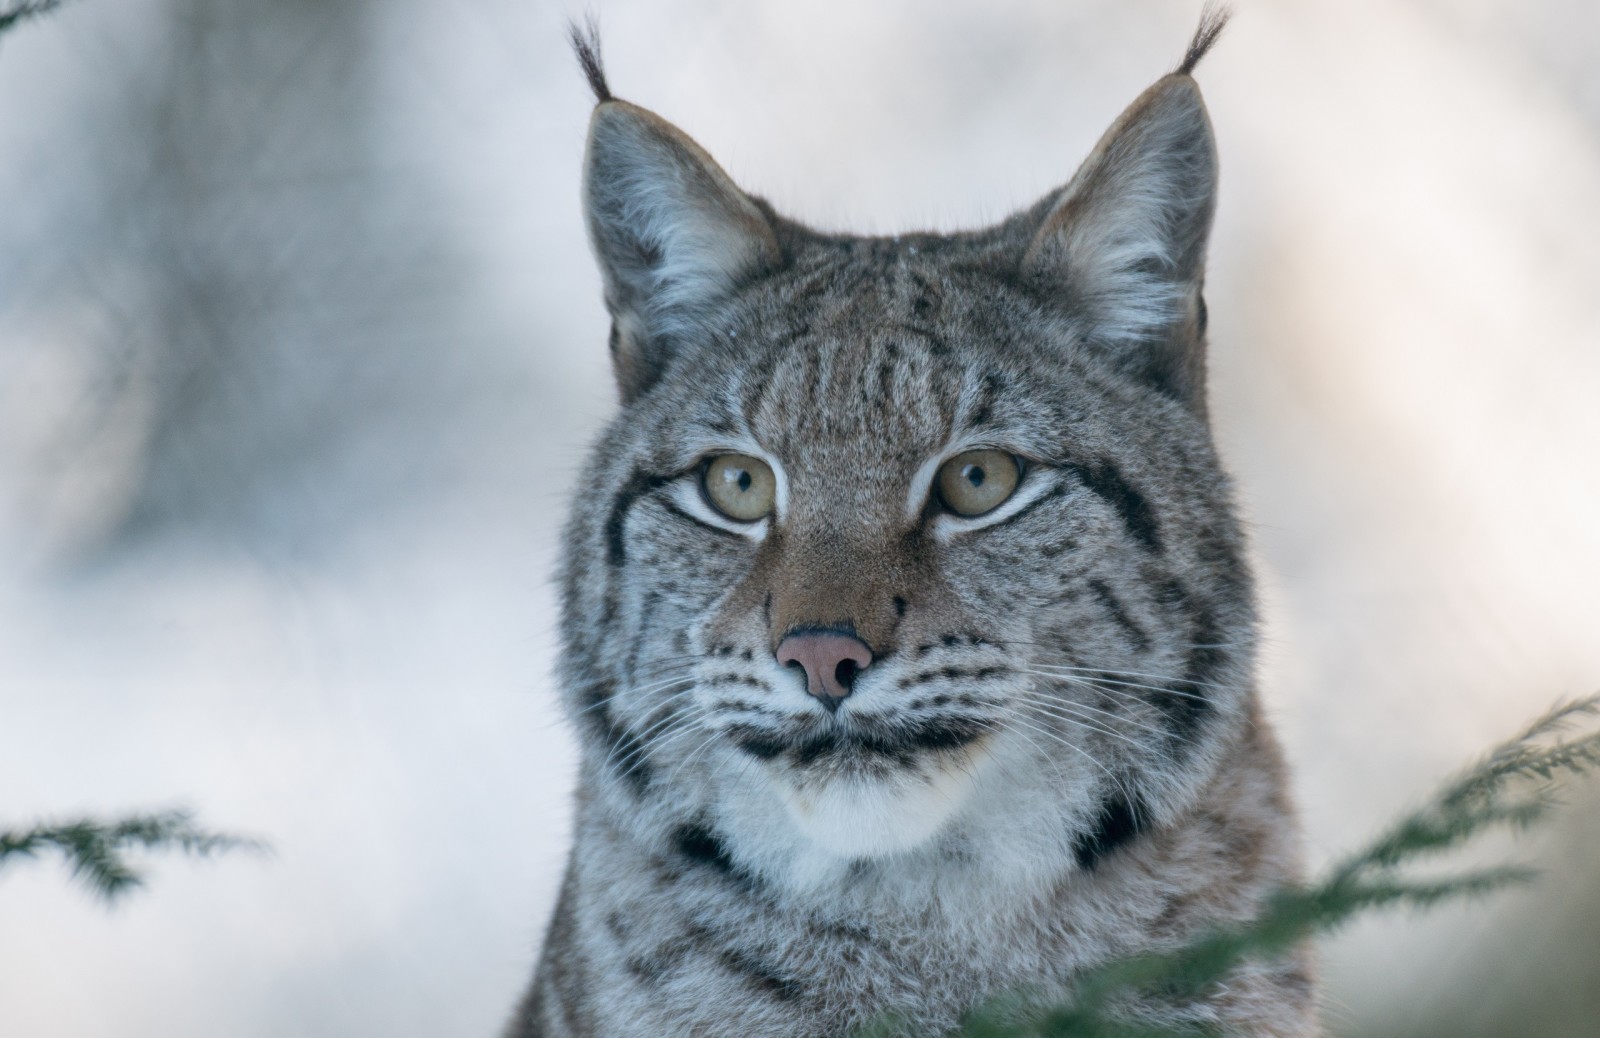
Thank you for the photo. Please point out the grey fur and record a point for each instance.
(1055, 757)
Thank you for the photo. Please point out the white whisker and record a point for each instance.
(638, 690)
(1062, 740)
(713, 737)
(1056, 711)
(1087, 677)
(1065, 704)
(650, 739)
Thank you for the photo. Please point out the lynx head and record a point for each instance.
(911, 545)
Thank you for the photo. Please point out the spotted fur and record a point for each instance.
(1055, 756)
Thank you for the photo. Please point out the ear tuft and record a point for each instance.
(1213, 19)
(586, 46)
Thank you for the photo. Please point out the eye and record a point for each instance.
(975, 482)
(739, 486)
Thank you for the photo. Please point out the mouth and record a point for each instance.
(864, 787)
(862, 743)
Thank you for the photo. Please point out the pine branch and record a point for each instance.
(16, 13)
(95, 850)
(1513, 788)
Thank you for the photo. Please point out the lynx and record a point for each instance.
(908, 632)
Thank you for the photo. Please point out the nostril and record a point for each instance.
(830, 660)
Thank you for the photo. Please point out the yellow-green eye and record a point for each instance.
(975, 482)
(739, 486)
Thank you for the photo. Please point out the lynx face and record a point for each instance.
(906, 626)
(900, 540)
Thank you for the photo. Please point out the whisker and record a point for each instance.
(1124, 673)
(1005, 766)
(1055, 710)
(642, 753)
(1057, 737)
(652, 728)
(1062, 646)
(713, 737)
(636, 690)
(1070, 705)
(663, 664)
(1095, 678)
(651, 735)
(1116, 695)
(1104, 685)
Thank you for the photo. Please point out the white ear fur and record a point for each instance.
(1126, 238)
(671, 231)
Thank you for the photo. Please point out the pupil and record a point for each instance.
(973, 474)
(743, 479)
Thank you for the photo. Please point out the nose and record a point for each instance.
(831, 660)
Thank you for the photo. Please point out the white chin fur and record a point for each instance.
(869, 817)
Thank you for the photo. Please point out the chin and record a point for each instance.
(873, 813)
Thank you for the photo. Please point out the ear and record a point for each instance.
(671, 231)
(1123, 244)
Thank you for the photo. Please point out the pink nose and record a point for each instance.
(830, 660)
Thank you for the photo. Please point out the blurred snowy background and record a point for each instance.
(300, 343)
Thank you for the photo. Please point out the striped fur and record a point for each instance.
(1055, 757)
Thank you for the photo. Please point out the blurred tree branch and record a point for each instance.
(14, 14)
(95, 849)
(1513, 788)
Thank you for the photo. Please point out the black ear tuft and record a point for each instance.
(1213, 19)
(586, 45)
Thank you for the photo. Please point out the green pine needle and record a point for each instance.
(94, 850)
(1511, 789)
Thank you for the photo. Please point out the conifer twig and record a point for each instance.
(1514, 787)
(12, 14)
(95, 850)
